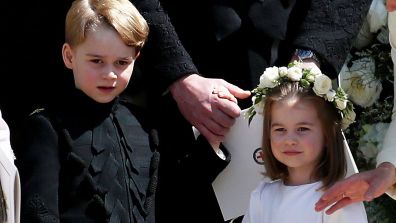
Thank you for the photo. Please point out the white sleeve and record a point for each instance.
(254, 211)
(354, 212)
(388, 152)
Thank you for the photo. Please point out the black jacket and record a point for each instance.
(87, 162)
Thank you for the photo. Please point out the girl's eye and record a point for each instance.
(302, 129)
(279, 129)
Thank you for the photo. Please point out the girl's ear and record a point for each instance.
(67, 55)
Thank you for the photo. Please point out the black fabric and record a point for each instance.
(83, 161)
(187, 170)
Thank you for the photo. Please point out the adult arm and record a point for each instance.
(329, 29)
(173, 67)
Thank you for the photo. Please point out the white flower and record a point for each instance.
(269, 77)
(341, 103)
(349, 118)
(330, 95)
(377, 15)
(259, 107)
(322, 84)
(282, 71)
(315, 71)
(371, 142)
(294, 73)
(369, 150)
(359, 82)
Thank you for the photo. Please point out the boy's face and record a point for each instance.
(102, 65)
(297, 138)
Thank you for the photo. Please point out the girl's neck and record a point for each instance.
(300, 177)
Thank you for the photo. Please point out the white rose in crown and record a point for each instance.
(282, 71)
(269, 77)
(322, 84)
(359, 82)
(349, 118)
(330, 95)
(294, 73)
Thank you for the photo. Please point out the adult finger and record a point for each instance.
(332, 195)
(222, 92)
(236, 91)
(227, 107)
(340, 204)
(212, 137)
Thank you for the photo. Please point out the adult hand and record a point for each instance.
(391, 5)
(208, 104)
(363, 186)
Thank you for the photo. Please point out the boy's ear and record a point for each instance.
(67, 55)
(137, 54)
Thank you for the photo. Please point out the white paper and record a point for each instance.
(235, 183)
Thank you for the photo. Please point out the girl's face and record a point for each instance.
(102, 65)
(297, 138)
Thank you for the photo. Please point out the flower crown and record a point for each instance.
(307, 78)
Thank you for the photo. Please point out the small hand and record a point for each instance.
(208, 104)
(363, 186)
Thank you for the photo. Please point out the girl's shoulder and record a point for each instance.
(267, 186)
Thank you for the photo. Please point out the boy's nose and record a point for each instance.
(110, 75)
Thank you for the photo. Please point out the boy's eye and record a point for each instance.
(122, 62)
(98, 61)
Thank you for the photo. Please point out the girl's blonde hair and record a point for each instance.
(86, 15)
(332, 164)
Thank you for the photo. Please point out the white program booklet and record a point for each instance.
(244, 172)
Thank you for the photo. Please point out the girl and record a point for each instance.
(302, 145)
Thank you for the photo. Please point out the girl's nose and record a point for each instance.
(291, 139)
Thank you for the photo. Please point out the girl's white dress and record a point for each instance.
(9, 175)
(274, 202)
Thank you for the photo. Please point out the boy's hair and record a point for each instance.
(86, 15)
(332, 164)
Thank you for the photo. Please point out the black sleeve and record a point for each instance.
(39, 166)
(204, 156)
(163, 52)
(329, 29)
